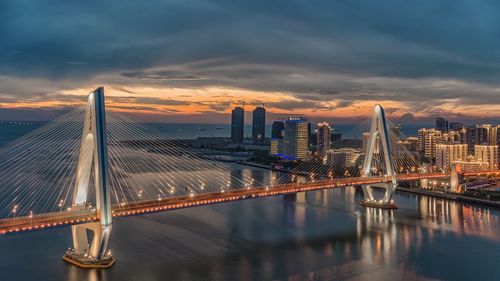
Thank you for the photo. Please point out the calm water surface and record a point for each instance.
(322, 235)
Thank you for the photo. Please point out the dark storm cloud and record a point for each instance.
(317, 50)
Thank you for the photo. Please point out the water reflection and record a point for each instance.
(323, 235)
(76, 274)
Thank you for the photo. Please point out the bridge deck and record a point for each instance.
(56, 219)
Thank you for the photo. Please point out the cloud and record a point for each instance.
(428, 57)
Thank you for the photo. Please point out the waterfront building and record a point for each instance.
(446, 154)
(296, 139)
(237, 125)
(340, 159)
(427, 141)
(487, 154)
(258, 125)
(471, 164)
(324, 134)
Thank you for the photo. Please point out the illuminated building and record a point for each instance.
(487, 154)
(446, 154)
(324, 135)
(295, 140)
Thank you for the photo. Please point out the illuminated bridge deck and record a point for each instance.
(65, 218)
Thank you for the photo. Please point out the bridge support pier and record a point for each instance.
(93, 152)
(454, 181)
(378, 131)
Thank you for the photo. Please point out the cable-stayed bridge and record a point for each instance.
(89, 166)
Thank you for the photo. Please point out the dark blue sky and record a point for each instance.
(419, 58)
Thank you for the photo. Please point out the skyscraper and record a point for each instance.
(237, 125)
(296, 139)
(324, 135)
(441, 124)
(259, 125)
(456, 126)
(475, 135)
(277, 130)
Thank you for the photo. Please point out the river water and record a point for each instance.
(323, 235)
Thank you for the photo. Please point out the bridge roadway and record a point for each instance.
(65, 218)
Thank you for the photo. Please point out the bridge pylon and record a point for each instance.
(93, 154)
(379, 131)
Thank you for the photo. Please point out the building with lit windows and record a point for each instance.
(324, 134)
(487, 154)
(427, 141)
(296, 139)
(446, 154)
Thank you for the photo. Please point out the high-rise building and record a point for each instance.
(277, 130)
(441, 124)
(277, 147)
(295, 140)
(474, 135)
(409, 144)
(456, 126)
(310, 134)
(446, 154)
(237, 125)
(451, 137)
(336, 136)
(488, 154)
(427, 141)
(324, 135)
(259, 125)
(339, 159)
(491, 134)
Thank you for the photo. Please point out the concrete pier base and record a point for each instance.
(84, 261)
(377, 204)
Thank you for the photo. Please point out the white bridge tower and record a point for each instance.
(93, 158)
(379, 131)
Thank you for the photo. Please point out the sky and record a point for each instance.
(193, 60)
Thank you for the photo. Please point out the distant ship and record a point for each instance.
(201, 129)
(179, 130)
(219, 128)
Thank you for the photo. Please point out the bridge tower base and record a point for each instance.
(93, 152)
(378, 130)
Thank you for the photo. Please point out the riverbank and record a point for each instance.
(451, 196)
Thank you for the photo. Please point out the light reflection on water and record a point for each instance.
(322, 235)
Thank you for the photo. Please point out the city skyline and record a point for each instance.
(249, 140)
(329, 65)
